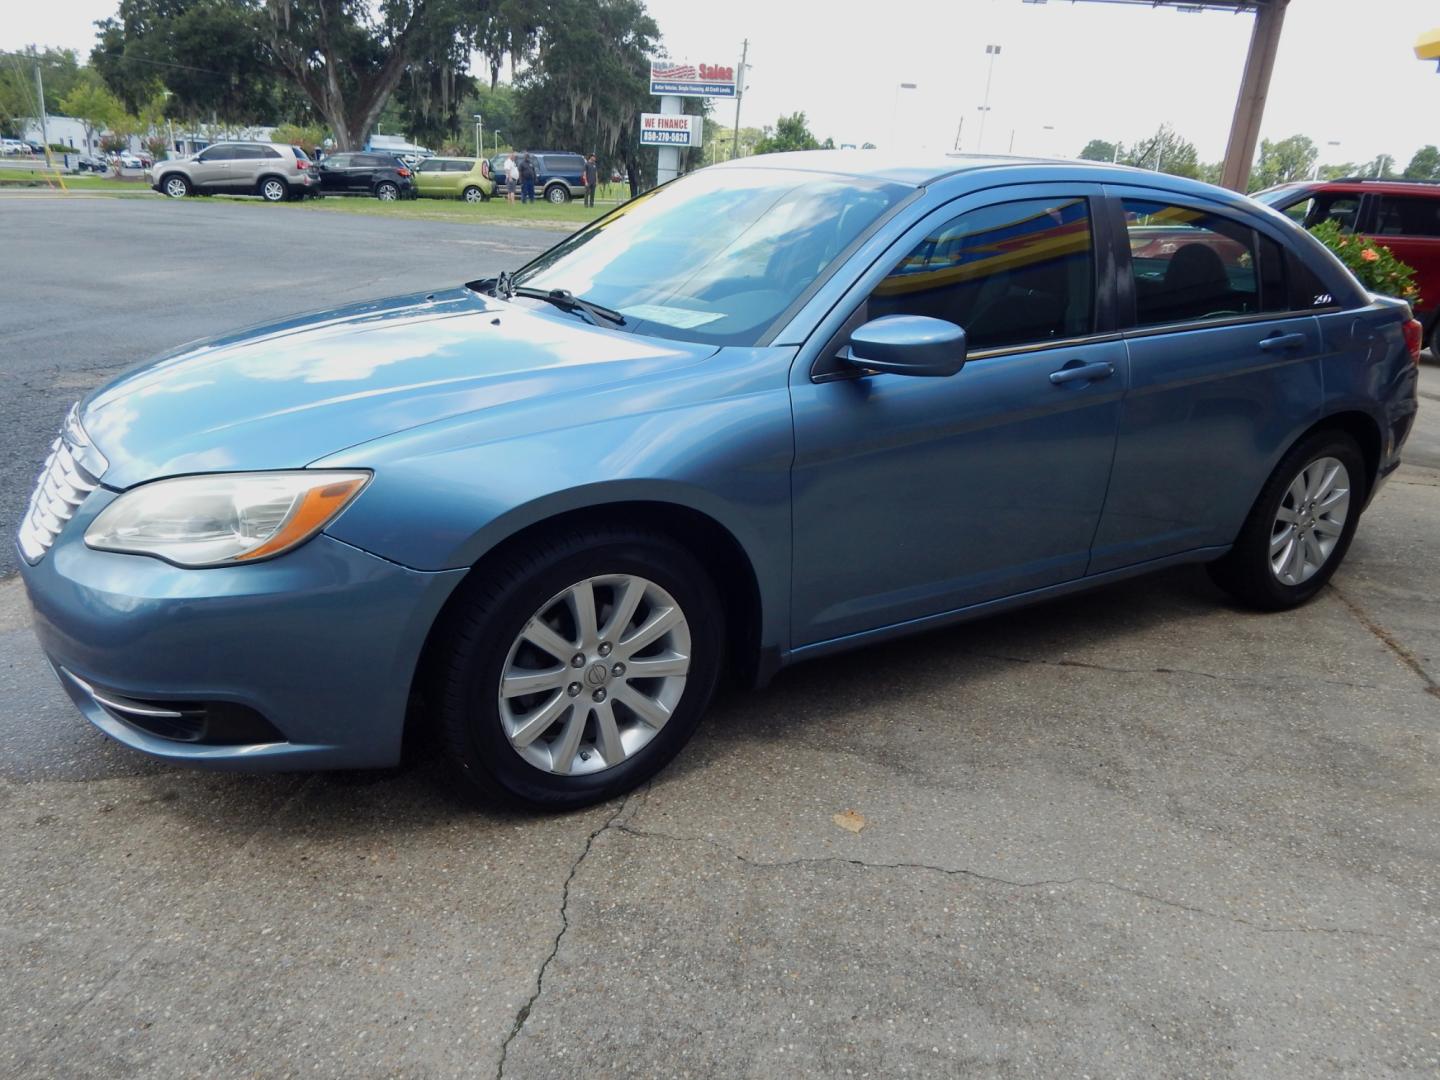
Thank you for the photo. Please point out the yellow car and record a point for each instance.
(454, 178)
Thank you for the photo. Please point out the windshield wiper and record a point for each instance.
(564, 299)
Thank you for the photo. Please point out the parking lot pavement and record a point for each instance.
(1133, 834)
(93, 286)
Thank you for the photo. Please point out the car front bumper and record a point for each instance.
(301, 662)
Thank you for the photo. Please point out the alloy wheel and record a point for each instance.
(594, 674)
(386, 193)
(175, 188)
(273, 190)
(473, 194)
(1310, 521)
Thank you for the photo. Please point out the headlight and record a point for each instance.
(224, 518)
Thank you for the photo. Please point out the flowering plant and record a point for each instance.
(1373, 263)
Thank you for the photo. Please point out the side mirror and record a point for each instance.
(907, 345)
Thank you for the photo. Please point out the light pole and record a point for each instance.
(895, 108)
(1320, 157)
(991, 51)
(479, 134)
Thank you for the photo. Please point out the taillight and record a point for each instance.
(1414, 334)
(402, 171)
(301, 163)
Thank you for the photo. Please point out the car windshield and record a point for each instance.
(717, 256)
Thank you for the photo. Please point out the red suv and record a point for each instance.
(1404, 215)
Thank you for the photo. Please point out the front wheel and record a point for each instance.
(387, 192)
(557, 195)
(274, 190)
(176, 187)
(1300, 527)
(576, 671)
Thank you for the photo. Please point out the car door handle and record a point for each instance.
(1082, 373)
(1282, 342)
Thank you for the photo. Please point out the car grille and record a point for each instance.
(71, 473)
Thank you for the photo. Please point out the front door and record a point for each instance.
(918, 496)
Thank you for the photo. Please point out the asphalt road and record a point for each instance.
(1132, 834)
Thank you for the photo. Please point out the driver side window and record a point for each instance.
(1014, 273)
(1189, 264)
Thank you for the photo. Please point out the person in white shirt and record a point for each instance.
(512, 178)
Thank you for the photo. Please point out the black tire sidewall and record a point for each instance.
(1246, 571)
(471, 722)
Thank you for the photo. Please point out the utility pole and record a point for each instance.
(739, 93)
(40, 97)
(991, 51)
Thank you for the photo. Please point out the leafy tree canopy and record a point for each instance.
(1099, 150)
(1425, 165)
(791, 133)
(1284, 161)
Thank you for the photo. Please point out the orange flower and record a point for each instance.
(1369, 255)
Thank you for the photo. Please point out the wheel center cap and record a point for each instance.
(597, 675)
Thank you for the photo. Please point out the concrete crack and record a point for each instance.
(523, 1013)
(990, 879)
(1085, 665)
(1389, 640)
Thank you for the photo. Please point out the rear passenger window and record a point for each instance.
(459, 166)
(1011, 274)
(1401, 216)
(1332, 206)
(1189, 264)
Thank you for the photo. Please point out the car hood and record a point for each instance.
(283, 395)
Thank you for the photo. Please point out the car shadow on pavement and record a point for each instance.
(891, 679)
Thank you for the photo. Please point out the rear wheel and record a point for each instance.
(386, 191)
(575, 671)
(473, 194)
(1300, 527)
(557, 194)
(273, 189)
(177, 187)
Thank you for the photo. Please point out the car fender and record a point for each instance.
(715, 439)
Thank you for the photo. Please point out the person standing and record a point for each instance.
(527, 178)
(512, 177)
(592, 178)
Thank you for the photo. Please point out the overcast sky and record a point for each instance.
(1345, 71)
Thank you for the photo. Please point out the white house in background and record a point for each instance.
(68, 131)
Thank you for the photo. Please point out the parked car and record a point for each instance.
(273, 171)
(454, 178)
(126, 161)
(1404, 215)
(546, 508)
(13, 146)
(92, 164)
(382, 175)
(560, 176)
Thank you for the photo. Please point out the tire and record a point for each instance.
(273, 189)
(1247, 571)
(1435, 339)
(473, 194)
(386, 192)
(175, 186)
(479, 736)
(557, 194)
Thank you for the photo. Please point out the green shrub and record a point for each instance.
(1373, 263)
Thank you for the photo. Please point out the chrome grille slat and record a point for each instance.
(71, 472)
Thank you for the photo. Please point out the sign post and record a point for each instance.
(671, 82)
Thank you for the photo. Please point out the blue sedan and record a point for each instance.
(779, 408)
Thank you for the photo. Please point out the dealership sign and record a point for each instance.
(691, 80)
(670, 129)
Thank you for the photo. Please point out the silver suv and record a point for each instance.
(274, 171)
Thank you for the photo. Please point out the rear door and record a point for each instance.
(1224, 368)
(1409, 225)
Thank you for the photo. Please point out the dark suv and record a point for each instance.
(382, 175)
(1404, 215)
(561, 174)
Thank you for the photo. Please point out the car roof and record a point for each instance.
(921, 169)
